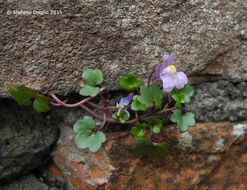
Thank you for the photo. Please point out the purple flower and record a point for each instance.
(125, 101)
(169, 75)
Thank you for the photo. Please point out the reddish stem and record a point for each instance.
(102, 124)
(97, 115)
(73, 105)
(137, 116)
(56, 104)
(150, 77)
(68, 105)
(104, 109)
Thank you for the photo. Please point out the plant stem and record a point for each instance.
(102, 124)
(105, 108)
(73, 105)
(137, 116)
(150, 77)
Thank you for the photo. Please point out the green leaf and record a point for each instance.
(136, 105)
(138, 130)
(96, 142)
(182, 95)
(89, 91)
(115, 116)
(41, 104)
(85, 137)
(155, 125)
(92, 77)
(146, 148)
(122, 116)
(151, 96)
(84, 125)
(131, 82)
(183, 121)
(22, 95)
(178, 105)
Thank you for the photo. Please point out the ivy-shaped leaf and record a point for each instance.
(24, 96)
(89, 91)
(136, 105)
(183, 121)
(182, 95)
(131, 82)
(146, 148)
(138, 129)
(41, 104)
(151, 96)
(92, 77)
(155, 125)
(85, 137)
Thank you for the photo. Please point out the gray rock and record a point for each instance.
(49, 52)
(29, 182)
(26, 138)
(219, 101)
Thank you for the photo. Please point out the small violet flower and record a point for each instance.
(124, 102)
(169, 75)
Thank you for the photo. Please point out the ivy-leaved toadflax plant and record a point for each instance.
(143, 100)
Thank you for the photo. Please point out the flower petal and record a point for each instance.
(171, 59)
(179, 79)
(125, 101)
(168, 83)
(157, 74)
(165, 62)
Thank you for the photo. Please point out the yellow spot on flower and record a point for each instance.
(169, 70)
(172, 68)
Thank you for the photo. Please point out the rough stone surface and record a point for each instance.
(81, 169)
(219, 101)
(26, 139)
(49, 52)
(29, 182)
(216, 151)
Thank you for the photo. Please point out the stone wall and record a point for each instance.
(49, 52)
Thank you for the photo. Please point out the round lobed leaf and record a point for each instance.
(137, 131)
(89, 91)
(183, 121)
(131, 82)
(84, 125)
(151, 96)
(136, 105)
(92, 77)
(182, 95)
(41, 104)
(155, 125)
(22, 95)
(85, 137)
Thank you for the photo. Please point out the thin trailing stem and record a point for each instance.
(102, 124)
(105, 108)
(76, 104)
(59, 102)
(150, 77)
(97, 115)
(137, 116)
(102, 108)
